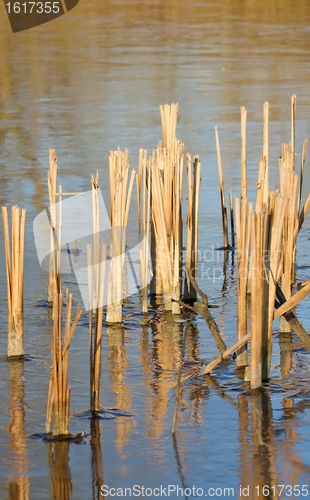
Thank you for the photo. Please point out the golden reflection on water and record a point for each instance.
(19, 486)
(60, 473)
(118, 365)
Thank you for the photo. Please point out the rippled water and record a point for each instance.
(87, 83)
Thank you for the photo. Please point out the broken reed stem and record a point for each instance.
(224, 211)
(292, 302)
(177, 396)
(52, 191)
(58, 404)
(15, 277)
(210, 366)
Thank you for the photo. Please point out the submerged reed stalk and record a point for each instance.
(58, 405)
(15, 276)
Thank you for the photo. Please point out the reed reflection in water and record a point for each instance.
(19, 486)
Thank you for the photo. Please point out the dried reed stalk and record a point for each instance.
(259, 296)
(15, 276)
(266, 152)
(243, 231)
(243, 153)
(95, 306)
(293, 301)
(119, 212)
(143, 181)
(213, 364)
(293, 114)
(288, 189)
(191, 262)
(52, 191)
(224, 210)
(58, 404)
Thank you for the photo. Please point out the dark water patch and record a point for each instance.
(17, 359)
(44, 304)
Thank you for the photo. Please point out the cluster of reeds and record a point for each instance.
(266, 247)
(120, 197)
(166, 171)
(272, 230)
(58, 405)
(15, 277)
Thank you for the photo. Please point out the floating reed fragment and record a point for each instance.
(15, 276)
(59, 393)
